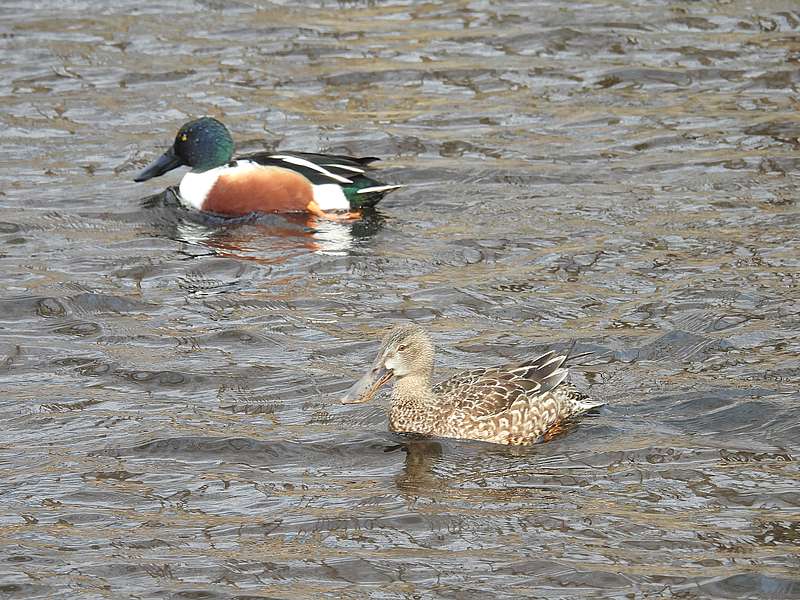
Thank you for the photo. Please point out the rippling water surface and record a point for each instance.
(616, 175)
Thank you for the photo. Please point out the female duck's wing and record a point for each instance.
(487, 392)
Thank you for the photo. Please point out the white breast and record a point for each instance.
(330, 196)
(195, 187)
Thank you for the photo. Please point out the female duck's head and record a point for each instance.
(202, 144)
(406, 351)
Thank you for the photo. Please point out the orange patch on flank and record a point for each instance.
(315, 210)
(556, 429)
(265, 189)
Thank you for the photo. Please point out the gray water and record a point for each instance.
(617, 176)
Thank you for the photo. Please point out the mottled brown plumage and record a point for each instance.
(511, 404)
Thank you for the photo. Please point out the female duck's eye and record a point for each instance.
(401, 348)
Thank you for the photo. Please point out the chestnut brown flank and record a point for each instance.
(265, 189)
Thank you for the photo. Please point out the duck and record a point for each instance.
(324, 185)
(515, 404)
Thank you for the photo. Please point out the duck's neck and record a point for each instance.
(413, 404)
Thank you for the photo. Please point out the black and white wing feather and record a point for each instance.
(319, 169)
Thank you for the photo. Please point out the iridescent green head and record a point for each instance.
(201, 144)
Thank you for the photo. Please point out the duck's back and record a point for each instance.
(512, 404)
(347, 173)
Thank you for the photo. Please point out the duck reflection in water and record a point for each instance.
(417, 477)
(269, 238)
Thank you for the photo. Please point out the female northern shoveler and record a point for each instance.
(512, 404)
(279, 182)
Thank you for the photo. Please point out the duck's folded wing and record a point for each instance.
(352, 162)
(319, 169)
(488, 392)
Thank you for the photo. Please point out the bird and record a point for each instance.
(324, 185)
(514, 404)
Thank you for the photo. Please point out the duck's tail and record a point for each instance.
(364, 192)
(576, 401)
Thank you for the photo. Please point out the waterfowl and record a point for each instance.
(514, 404)
(279, 182)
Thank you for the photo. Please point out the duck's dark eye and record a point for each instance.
(401, 348)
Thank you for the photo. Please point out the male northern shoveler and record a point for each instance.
(513, 404)
(279, 182)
